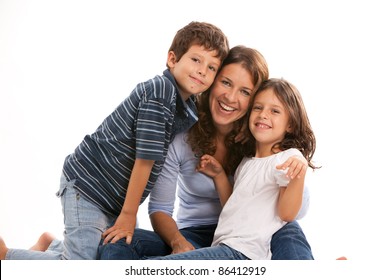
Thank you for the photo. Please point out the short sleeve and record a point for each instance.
(280, 175)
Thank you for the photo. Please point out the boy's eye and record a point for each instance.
(195, 59)
(257, 108)
(212, 68)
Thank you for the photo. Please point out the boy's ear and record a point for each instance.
(171, 60)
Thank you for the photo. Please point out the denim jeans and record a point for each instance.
(289, 243)
(147, 244)
(84, 224)
(219, 252)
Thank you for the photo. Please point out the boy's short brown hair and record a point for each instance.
(203, 34)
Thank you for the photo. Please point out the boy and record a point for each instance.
(113, 170)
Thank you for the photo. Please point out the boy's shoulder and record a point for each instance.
(160, 86)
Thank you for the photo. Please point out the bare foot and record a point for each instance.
(43, 242)
(3, 249)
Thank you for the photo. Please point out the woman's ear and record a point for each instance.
(171, 60)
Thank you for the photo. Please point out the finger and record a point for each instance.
(303, 171)
(117, 236)
(284, 165)
(129, 238)
(292, 170)
(108, 231)
(107, 239)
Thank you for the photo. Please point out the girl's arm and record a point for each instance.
(125, 223)
(212, 168)
(290, 198)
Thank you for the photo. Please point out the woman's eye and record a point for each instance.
(245, 92)
(226, 83)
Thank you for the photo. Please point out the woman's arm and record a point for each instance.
(163, 196)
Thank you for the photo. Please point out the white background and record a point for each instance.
(65, 65)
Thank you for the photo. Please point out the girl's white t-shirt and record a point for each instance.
(249, 218)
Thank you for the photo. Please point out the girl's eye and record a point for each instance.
(275, 111)
(256, 108)
(195, 59)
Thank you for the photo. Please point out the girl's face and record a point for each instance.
(268, 122)
(230, 95)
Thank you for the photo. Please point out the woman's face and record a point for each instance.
(230, 95)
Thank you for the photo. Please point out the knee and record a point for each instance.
(114, 251)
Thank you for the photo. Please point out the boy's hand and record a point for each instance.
(123, 228)
(296, 166)
(209, 166)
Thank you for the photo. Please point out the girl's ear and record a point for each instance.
(171, 60)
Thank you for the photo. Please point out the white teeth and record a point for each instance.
(261, 125)
(225, 107)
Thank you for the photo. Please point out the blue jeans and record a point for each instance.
(147, 244)
(84, 225)
(219, 252)
(289, 243)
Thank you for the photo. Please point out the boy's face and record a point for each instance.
(195, 71)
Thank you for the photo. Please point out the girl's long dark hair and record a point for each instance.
(302, 136)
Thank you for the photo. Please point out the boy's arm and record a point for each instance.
(166, 227)
(125, 223)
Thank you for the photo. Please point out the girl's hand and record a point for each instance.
(123, 228)
(296, 166)
(209, 166)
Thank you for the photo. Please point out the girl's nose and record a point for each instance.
(263, 114)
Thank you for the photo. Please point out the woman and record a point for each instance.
(222, 112)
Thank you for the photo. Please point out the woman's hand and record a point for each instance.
(181, 245)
